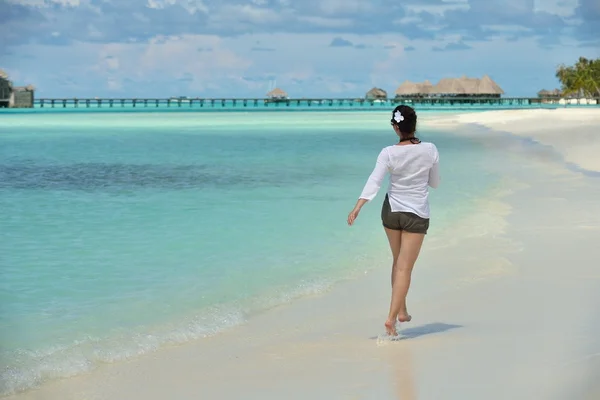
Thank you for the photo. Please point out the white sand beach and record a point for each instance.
(572, 132)
(505, 306)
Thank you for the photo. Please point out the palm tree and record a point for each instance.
(582, 78)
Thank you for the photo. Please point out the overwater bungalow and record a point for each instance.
(5, 89)
(23, 96)
(276, 95)
(15, 96)
(467, 87)
(376, 94)
(426, 87)
(410, 89)
(549, 96)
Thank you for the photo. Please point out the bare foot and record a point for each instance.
(390, 327)
(404, 317)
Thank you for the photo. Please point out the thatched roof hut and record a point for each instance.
(448, 86)
(408, 89)
(426, 87)
(496, 89)
(465, 86)
(277, 94)
(549, 93)
(376, 94)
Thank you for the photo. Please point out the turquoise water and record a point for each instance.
(123, 232)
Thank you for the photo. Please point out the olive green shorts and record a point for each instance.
(402, 221)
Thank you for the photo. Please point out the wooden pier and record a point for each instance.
(241, 103)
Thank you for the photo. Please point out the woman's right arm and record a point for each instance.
(372, 186)
(434, 171)
(375, 180)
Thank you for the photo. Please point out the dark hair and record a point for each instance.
(408, 125)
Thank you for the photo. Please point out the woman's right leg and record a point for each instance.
(409, 252)
(395, 239)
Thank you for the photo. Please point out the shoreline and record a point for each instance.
(319, 352)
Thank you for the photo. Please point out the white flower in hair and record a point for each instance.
(398, 116)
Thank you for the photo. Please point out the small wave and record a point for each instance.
(28, 369)
(31, 368)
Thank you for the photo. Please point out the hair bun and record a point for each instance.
(405, 118)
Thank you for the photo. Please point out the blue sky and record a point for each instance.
(161, 48)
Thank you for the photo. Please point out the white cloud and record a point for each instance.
(152, 67)
(438, 10)
(387, 72)
(246, 14)
(562, 8)
(112, 63)
(113, 84)
(337, 87)
(335, 7)
(327, 22)
(163, 56)
(413, 19)
(192, 6)
(94, 32)
(506, 28)
(46, 3)
(303, 64)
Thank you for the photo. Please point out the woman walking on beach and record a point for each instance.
(413, 167)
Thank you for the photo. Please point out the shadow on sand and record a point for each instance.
(423, 330)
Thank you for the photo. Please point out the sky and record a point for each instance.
(309, 48)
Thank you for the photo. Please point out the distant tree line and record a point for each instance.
(581, 78)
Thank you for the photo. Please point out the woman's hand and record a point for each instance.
(353, 215)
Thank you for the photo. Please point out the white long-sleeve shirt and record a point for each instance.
(412, 169)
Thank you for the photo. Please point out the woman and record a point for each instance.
(413, 167)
